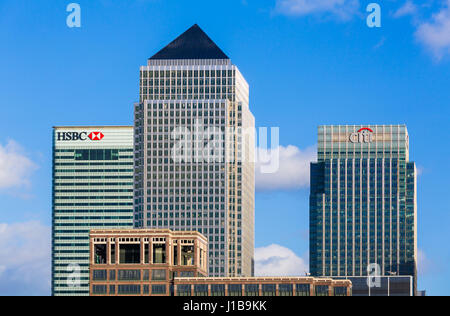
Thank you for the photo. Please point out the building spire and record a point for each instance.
(192, 44)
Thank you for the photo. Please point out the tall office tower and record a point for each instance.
(92, 189)
(194, 147)
(363, 212)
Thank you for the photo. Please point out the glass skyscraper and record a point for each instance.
(363, 211)
(190, 94)
(92, 189)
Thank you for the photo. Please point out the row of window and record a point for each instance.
(401, 155)
(185, 113)
(77, 164)
(92, 170)
(93, 204)
(93, 184)
(129, 275)
(257, 290)
(130, 289)
(187, 73)
(67, 218)
(73, 150)
(183, 105)
(106, 225)
(91, 177)
(94, 191)
(168, 97)
(187, 82)
(102, 211)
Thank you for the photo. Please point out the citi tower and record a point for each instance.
(363, 205)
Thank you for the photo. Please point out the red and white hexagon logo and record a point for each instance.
(96, 136)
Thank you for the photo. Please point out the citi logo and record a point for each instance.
(79, 136)
(364, 135)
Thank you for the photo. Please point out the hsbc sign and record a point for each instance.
(364, 135)
(96, 136)
(80, 136)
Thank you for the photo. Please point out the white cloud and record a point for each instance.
(25, 250)
(343, 9)
(276, 260)
(380, 43)
(293, 171)
(423, 263)
(420, 170)
(435, 35)
(409, 8)
(15, 167)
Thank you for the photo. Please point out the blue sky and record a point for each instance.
(307, 63)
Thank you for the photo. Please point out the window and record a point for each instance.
(159, 289)
(99, 275)
(252, 290)
(129, 275)
(322, 290)
(130, 254)
(96, 154)
(113, 254)
(159, 253)
(100, 254)
(175, 255)
(218, 290)
(99, 289)
(303, 290)
(285, 289)
(201, 290)
(129, 289)
(187, 255)
(112, 275)
(184, 290)
(269, 290)
(340, 291)
(146, 253)
(159, 275)
(235, 290)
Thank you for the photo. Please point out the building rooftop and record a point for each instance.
(192, 44)
(92, 126)
(146, 232)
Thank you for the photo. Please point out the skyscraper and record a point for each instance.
(194, 143)
(363, 211)
(92, 189)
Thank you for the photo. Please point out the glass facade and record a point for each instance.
(388, 286)
(363, 203)
(92, 189)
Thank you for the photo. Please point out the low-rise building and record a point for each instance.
(261, 286)
(143, 262)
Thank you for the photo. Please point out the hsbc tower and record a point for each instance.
(92, 189)
(363, 203)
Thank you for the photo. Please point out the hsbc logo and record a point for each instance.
(80, 136)
(364, 135)
(96, 136)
